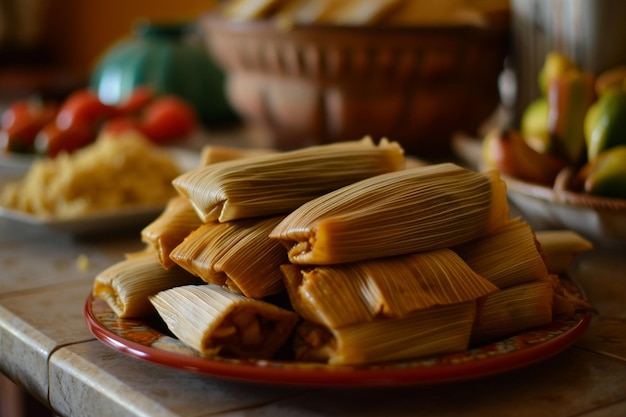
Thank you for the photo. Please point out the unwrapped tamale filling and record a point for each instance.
(214, 320)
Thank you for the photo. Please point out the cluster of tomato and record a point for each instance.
(33, 126)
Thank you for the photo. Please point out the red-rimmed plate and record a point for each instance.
(150, 341)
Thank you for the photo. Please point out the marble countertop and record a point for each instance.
(47, 349)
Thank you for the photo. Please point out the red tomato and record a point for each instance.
(17, 112)
(169, 118)
(52, 140)
(21, 122)
(19, 137)
(83, 107)
(138, 99)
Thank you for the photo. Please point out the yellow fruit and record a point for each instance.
(606, 175)
(569, 97)
(508, 152)
(534, 125)
(555, 64)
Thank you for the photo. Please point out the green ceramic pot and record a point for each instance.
(169, 59)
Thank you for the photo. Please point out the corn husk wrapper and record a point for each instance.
(509, 256)
(433, 331)
(167, 231)
(560, 248)
(214, 320)
(126, 285)
(341, 295)
(250, 9)
(412, 210)
(513, 310)
(179, 218)
(287, 13)
(211, 154)
(358, 12)
(237, 254)
(273, 184)
(345, 12)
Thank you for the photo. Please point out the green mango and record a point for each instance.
(605, 123)
(606, 175)
(168, 59)
(534, 125)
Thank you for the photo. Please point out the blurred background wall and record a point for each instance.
(72, 34)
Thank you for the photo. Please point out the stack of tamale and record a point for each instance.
(380, 261)
(215, 235)
(416, 262)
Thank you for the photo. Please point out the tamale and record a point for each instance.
(167, 231)
(249, 10)
(407, 211)
(179, 217)
(268, 185)
(561, 247)
(433, 331)
(388, 287)
(211, 154)
(512, 310)
(358, 12)
(508, 256)
(126, 285)
(237, 254)
(214, 320)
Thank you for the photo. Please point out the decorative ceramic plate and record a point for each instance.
(150, 340)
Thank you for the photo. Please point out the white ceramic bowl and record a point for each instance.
(601, 220)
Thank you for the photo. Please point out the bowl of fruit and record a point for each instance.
(565, 166)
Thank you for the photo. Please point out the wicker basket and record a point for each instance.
(319, 84)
